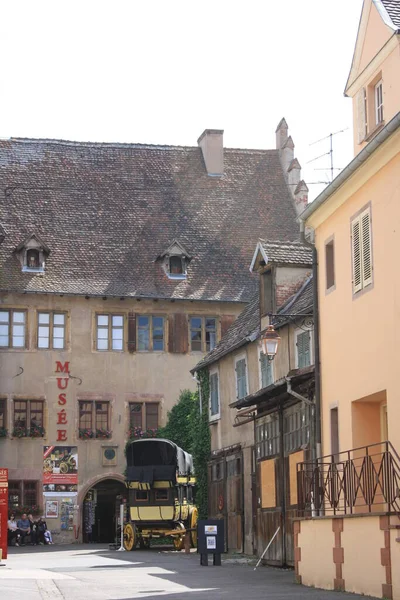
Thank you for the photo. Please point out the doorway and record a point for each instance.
(101, 508)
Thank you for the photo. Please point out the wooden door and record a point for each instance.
(234, 501)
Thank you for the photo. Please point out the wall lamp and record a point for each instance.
(270, 338)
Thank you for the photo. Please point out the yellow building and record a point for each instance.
(349, 539)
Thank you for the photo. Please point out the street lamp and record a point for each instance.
(270, 342)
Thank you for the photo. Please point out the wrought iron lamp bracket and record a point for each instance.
(304, 321)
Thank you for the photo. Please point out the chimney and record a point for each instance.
(293, 173)
(211, 144)
(281, 134)
(287, 154)
(301, 197)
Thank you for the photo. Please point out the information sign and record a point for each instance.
(3, 510)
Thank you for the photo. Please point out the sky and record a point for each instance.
(162, 71)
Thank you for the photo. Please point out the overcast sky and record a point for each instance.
(162, 71)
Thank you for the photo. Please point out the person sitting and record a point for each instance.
(24, 525)
(13, 531)
(44, 534)
(33, 531)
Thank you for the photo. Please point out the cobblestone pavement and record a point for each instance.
(93, 572)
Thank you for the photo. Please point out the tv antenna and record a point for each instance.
(329, 153)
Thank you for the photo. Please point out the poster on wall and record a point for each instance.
(3, 511)
(51, 509)
(60, 469)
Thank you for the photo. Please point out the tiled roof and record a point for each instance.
(287, 252)
(301, 303)
(393, 10)
(246, 328)
(107, 211)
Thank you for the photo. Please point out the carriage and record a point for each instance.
(160, 480)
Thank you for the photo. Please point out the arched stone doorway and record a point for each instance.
(100, 510)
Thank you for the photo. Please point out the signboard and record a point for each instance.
(211, 529)
(3, 511)
(211, 542)
(60, 469)
(51, 509)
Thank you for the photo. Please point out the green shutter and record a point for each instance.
(241, 378)
(303, 350)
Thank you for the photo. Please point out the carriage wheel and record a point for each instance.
(130, 537)
(193, 516)
(179, 540)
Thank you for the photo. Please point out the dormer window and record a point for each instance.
(31, 254)
(175, 260)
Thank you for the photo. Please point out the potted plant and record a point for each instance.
(3, 432)
(103, 434)
(86, 434)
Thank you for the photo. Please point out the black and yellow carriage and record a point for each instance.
(160, 480)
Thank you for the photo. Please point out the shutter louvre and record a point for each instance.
(365, 220)
(303, 350)
(356, 254)
(131, 332)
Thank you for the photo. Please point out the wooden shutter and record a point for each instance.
(356, 254)
(303, 350)
(241, 378)
(361, 116)
(178, 333)
(214, 400)
(226, 322)
(366, 249)
(131, 332)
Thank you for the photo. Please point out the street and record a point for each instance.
(89, 572)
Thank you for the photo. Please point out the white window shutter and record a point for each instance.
(356, 254)
(365, 220)
(361, 116)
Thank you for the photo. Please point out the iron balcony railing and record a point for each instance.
(362, 480)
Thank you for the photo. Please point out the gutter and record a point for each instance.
(352, 167)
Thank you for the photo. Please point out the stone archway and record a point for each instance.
(107, 479)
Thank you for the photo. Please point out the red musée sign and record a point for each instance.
(62, 384)
(3, 510)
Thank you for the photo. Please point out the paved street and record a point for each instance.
(90, 572)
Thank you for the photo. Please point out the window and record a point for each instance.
(268, 437)
(51, 330)
(150, 333)
(303, 346)
(94, 419)
(266, 373)
(176, 265)
(12, 328)
(378, 103)
(214, 396)
(32, 259)
(23, 493)
(361, 250)
(141, 496)
(203, 334)
(296, 427)
(162, 495)
(143, 416)
(267, 295)
(28, 418)
(3, 420)
(110, 332)
(330, 264)
(241, 378)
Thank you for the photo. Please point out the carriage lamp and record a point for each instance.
(270, 342)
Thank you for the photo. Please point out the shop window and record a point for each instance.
(150, 333)
(28, 418)
(94, 419)
(12, 328)
(110, 332)
(23, 495)
(144, 416)
(203, 334)
(51, 330)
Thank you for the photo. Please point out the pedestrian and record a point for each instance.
(13, 531)
(33, 532)
(24, 525)
(44, 534)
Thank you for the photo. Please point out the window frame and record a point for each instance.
(239, 358)
(330, 243)
(109, 328)
(11, 323)
(93, 412)
(271, 364)
(378, 102)
(19, 488)
(52, 314)
(298, 332)
(217, 415)
(151, 330)
(143, 415)
(203, 334)
(365, 283)
(29, 412)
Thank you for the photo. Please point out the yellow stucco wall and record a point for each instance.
(362, 569)
(316, 541)
(359, 334)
